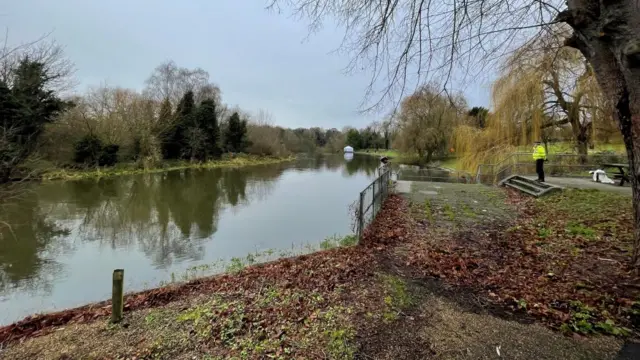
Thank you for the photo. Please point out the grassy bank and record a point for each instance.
(376, 300)
(388, 153)
(409, 159)
(132, 168)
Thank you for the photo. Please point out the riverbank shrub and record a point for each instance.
(132, 168)
(91, 151)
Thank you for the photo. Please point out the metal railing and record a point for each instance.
(371, 200)
(565, 165)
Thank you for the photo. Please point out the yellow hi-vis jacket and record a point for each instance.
(539, 153)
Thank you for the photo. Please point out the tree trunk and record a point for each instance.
(607, 33)
(5, 175)
(429, 156)
(583, 149)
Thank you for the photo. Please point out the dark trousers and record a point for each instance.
(540, 169)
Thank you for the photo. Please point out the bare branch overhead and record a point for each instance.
(405, 43)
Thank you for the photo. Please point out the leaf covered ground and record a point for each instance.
(563, 259)
(420, 285)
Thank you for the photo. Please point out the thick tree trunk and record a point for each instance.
(583, 150)
(429, 156)
(608, 35)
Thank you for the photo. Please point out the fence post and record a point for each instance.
(361, 216)
(373, 200)
(386, 184)
(117, 301)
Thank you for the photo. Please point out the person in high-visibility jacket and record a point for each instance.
(540, 156)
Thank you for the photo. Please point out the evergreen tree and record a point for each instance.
(206, 120)
(479, 114)
(236, 134)
(25, 108)
(354, 139)
(176, 142)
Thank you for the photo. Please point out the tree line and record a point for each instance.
(178, 116)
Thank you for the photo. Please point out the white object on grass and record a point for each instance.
(601, 177)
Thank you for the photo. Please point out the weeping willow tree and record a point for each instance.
(426, 121)
(543, 88)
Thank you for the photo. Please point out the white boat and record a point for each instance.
(348, 149)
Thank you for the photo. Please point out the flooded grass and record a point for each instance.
(236, 264)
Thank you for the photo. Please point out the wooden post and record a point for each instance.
(361, 216)
(117, 295)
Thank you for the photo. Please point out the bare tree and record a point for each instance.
(402, 40)
(426, 121)
(172, 82)
(60, 68)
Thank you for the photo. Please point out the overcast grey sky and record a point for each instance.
(260, 59)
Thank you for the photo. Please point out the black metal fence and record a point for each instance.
(371, 199)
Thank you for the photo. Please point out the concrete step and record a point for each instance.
(523, 189)
(529, 186)
(533, 182)
(526, 184)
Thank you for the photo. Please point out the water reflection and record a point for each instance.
(348, 156)
(28, 251)
(159, 221)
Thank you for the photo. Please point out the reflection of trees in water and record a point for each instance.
(242, 186)
(333, 162)
(165, 215)
(234, 184)
(361, 164)
(29, 244)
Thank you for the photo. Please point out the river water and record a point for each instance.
(64, 238)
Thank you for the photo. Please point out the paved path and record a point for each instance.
(584, 183)
(404, 187)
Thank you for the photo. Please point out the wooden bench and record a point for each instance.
(621, 175)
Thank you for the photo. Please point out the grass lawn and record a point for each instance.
(433, 277)
(563, 259)
(451, 163)
(409, 159)
(381, 152)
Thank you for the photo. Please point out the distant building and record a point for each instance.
(348, 149)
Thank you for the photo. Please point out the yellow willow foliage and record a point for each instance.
(543, 87)
(517, 120)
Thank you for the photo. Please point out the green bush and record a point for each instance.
(91, 151)
(109, 155)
